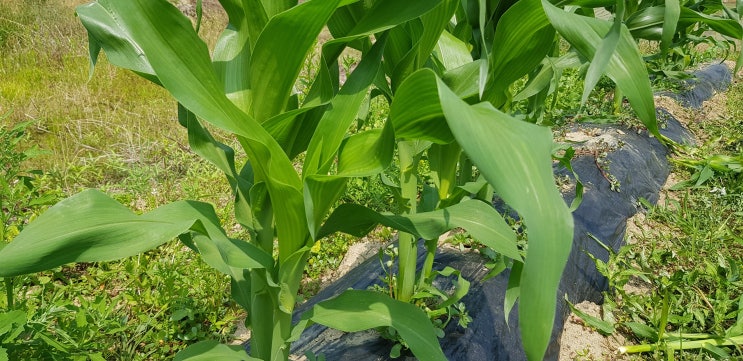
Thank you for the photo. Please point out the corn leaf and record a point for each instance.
(320, 194)
(416, 113)
(334, 124)
(512, 57)
(671, 17)
(181, 61)
(443, 160)
(385, 14)
(515, 158)
(279, 54)
(104, 32)
(479, 219)
(355, 311)
(452, 51)
(213, 350)
(434, 22)
(604, 53)
(367, 153)
(625, 67)
(232, 53)
(92, 227)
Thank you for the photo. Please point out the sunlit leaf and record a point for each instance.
(515, 158)
(479, 219)
(355, 310)
(104, 230)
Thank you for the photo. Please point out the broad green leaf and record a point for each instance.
(367, 153)
(516, 159)
(274, 7)
(415, 41)
(443, 160)
(222, 156)
(462, 286)
(290, 276)
(240, 287)
(293, 129)
(181, 61)
(402, 50)
(386, 14)
(279, 55)
(547, 76)
(523, 36)
(349, 25)
(465, 80)
(513, 289)
(320, 194)
(355, 311)
(232, 53)
(342, 112)
(643, 331)
(416, 113)
(104, 32)
(649, 23)
(213, 350)
(434, 22)
(92, 227)
(263, 211)
(727, 27)
(671, 17)
(224, 253)
(625, 67)
(452, 52)
(479, 219)
(8, 322)
(246, 19)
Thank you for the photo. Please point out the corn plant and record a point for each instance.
(418, 55)
(677, 26)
